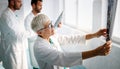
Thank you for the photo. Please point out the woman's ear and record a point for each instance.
(39, 32)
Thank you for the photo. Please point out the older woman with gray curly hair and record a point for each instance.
(48, 52)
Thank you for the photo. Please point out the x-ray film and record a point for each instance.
(111, 12)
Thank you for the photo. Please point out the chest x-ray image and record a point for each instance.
(111, 12)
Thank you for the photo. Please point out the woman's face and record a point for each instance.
(48, 29)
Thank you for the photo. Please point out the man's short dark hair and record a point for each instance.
(35, 1)
(9, 1)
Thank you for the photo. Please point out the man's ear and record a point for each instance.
(12, 2)
(33, 6)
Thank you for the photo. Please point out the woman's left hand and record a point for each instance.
(101, 32)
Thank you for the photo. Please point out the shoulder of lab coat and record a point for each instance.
(71, 39)
(6, 21)
(28, 20)
(27, 24)
(46, 53)
(10, 25)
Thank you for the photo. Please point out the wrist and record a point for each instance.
(95, 53)
(96, 35)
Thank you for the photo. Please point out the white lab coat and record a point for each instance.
(27, 24)
(51, 56)
(1, 52)
(13, 41)
(31, 39)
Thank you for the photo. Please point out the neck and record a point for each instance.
(44, 38)
(11, 8)
(34, 12)
(47, 39)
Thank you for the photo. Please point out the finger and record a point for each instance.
(108, 47)
(106, 53)
(108, 43)
(105, 35)
(104, 29)
(108, 50)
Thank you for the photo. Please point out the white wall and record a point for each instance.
(27, 7)
(3, 5)
(51, 8)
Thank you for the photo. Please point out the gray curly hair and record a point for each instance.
(39, 21)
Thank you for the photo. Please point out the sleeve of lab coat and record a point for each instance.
(27, 23)
(68, 39)
(3, 29)
(51, 56)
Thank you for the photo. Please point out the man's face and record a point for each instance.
(17, 4)
(38, 7)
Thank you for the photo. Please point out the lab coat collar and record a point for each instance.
(11, 11)
(42, 39)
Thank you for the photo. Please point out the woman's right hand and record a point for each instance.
(104, 49)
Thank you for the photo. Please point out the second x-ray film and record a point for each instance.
(58, 20)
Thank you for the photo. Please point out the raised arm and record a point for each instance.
(101, 32)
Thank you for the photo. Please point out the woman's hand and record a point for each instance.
(104, 49)
(101, 32)
(99, 51)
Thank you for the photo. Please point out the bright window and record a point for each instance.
(85, 8)
(116, 30)
(78, 14)
(71, 12)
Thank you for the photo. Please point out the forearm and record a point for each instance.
(99, 51)
(101, 32)
(90, 36)
(88, 54)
